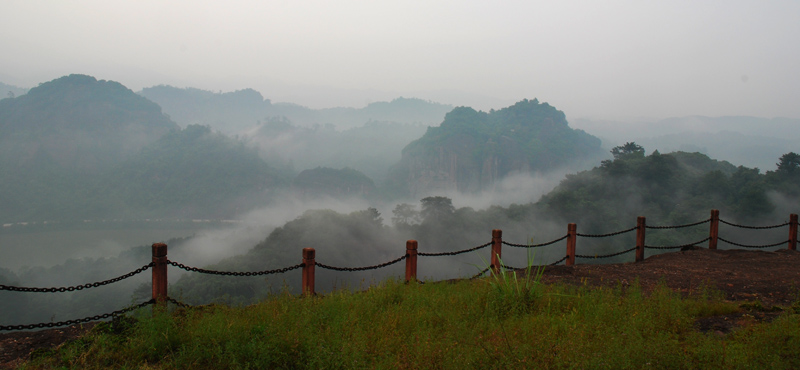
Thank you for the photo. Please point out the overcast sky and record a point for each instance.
(596, 59)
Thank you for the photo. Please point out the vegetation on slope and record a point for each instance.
(493, 323)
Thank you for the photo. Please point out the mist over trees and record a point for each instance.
(78, 148)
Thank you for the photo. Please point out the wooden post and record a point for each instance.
(497, 243)
(714, 229)
(572, 231)
(308, 271)
(793, 232)
(411, 260)
(641, 226)
(160, 273)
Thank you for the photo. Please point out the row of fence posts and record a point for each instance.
(309, 254)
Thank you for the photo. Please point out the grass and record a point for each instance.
(499, 322)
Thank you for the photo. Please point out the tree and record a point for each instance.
(437, 208)
(405, 214)
(789, 164)
(629, 150)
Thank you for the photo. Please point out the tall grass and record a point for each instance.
(443, 325)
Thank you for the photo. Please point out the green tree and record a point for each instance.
(789, 164)
(629, 150)
(437, 208)
(405, 214)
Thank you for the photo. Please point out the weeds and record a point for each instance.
(440, 326)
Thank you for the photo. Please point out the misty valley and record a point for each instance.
(94, 173)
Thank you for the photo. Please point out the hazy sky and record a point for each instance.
(598, 59)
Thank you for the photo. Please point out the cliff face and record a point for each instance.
(471, 151)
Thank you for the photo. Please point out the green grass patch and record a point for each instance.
(491, 323)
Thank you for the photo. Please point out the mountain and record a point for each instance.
(79, 123)
(471, 149)
(81, 148)
(229, 112)
(234, 112)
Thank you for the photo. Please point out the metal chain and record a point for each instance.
(480, 273)
(753, 246)
(607, 255)
(678, 226)
(361, 268)
(454, 253)
(77, 287)
(178, 303)
(679, 246)
(76, 321)
(234, 273)
(559, 261)
(606, 235)
(537, 245)
(754, 227)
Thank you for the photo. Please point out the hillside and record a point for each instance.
(81, 148)
(471, 150)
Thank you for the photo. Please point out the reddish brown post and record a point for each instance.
(308, 270)
(411, 260)
(793, 232)
(641, 226)
(497, 243)
(714, 229)
(572, 235)
(160, 273)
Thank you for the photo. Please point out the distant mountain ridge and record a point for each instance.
(232, 112)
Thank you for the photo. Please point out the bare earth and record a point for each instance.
(773, 278)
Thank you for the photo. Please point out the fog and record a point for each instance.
(595, 60)
(318, 85)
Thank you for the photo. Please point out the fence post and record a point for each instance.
(641, 226)
(572, 231)
(308, 271)
(497, 243)
(160, 273)
(793, 232)
(411, 260)
(714, 229)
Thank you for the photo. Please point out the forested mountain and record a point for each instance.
(59, 137)
(234, 112)
(472, 150)
(79, 148)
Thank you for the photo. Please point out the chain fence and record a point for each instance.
(351, 269)
(606, 235)
(754, 246)
(76, 287)
(535, 245)
(753, 227)
(375, 267)
(454, 253)
(678, 246)
(76, 321)
(234, 273)
(679, 226)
